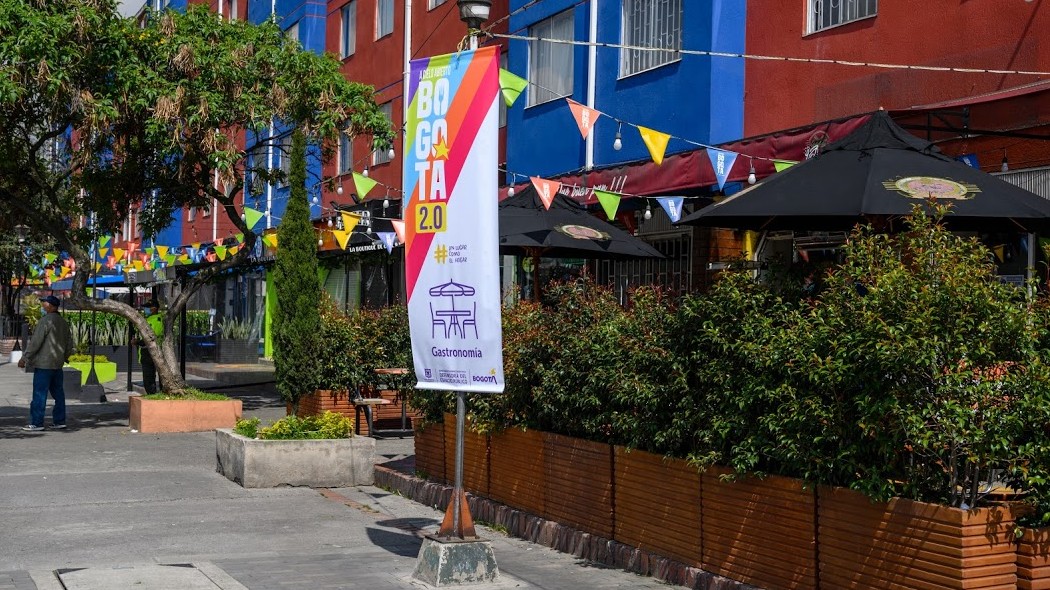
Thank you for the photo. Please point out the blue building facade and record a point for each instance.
(695, 97)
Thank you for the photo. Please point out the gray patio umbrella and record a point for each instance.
(880, 171)
(566, 230)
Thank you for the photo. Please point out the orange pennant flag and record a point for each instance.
(546, 189)
(656, 142)
(399, 229)
(585, 116)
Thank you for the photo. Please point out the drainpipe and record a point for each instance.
(592, 60)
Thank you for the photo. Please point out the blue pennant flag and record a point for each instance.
(672, 206)
(389, 239)
(722, 162)
(969, 159)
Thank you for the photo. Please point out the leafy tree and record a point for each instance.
(297, 321)
(117, 116)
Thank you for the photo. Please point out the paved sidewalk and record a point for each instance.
(97, 506)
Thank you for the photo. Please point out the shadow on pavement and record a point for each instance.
(403, 544)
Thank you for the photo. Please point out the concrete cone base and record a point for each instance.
(450, 562)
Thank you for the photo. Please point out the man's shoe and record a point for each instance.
(58, 427)
(32, 428)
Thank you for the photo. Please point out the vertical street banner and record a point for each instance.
(451, 221)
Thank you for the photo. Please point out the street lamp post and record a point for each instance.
(92, 391)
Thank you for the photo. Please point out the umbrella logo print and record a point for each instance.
(451, 320)
(582, 232)
(926, 187)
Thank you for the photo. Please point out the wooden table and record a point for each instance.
(366, 403)
(401, 398)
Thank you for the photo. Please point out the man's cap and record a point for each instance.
(52, 300)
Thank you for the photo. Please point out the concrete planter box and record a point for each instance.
(182, 415)
(315, 463)
(238, 352)
(106, 372)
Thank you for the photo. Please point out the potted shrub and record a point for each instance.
(315, 451)
(237, 343)
(196, 411)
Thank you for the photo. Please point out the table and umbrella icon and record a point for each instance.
(451, 319)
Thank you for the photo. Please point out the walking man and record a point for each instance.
(47, 351)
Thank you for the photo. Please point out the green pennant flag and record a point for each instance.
(104, 241)
(220, 251)
(511, 85)
(781, 165)
(148, 252)
(610, 202)
(239, 238)
(170, 259)
(252, 216)
(49, 258)
(363, 185)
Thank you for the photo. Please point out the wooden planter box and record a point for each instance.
(430, 451)
(182, 415)
(759, 531)
(658, 505)
(913, 545)
(517, 470)
(1033, 560)
(315, 463)
(578, 469)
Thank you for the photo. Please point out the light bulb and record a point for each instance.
(617, 143)
(320, 241)
(391, 153)
(751, 178)
(648, 213)
(510, 191)
(315, 199)
(364, 173)
(330, 222)
(339, 190)
(386, 203)
(1006, 165)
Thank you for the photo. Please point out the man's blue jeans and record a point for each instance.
(44, 380)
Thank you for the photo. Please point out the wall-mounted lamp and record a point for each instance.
(474, 12)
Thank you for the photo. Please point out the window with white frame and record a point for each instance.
(824, 14)
(228, 9)
(432, 4)
(650, 23)
(550, 64)
(346, 153)
(292, 32)
(348, 29)
(284, 157)
(381, 155)
(384, 18)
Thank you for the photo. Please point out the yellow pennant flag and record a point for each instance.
(270, 240)
(1000, 252)
(118, 253)
(656, 142)
(341, 237)
(136, 264)
(184, 259)
(98, 266)
(234, 249)
(162, 251)
(196, 245)
(350, 221)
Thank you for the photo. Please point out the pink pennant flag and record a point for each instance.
(584, 115)
(546, 189)
(399, 229)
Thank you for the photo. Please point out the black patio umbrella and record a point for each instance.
(877, 173)
(566, 230)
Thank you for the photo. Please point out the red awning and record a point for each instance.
(1005, 93)
(691, 171)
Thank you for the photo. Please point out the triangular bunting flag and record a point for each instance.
(196, 246)
(148, 252)
(49, 258)
(388, 238)
(98, 266)
(341, 237)
(610, 202)
(672, 206)
(656, 142)
(1000, 252)
(104, 241)
(210, 257)
(136, 264)
(239, 238)
(234, 249)
(65, 271)
(118, 253)
(220, 251)
(184, 259)
(781, 165)
(399, 229)
(511, 85)
(722, 162)
(584, 115)
(252, 216)
(546, 189)
(111, 261)
(350, 221)
(270, 240)
(132, 246)
(170, 259)
(162, 251)
(363, 185)
(103, 253)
